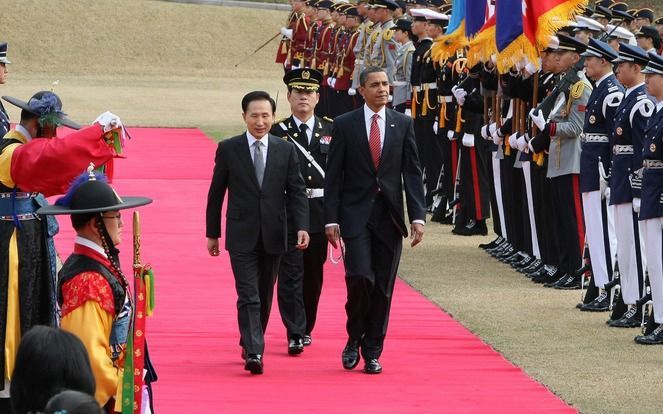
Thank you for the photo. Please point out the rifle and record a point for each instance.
(258, 49)
(538, 158)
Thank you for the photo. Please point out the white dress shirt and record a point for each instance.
(368, 119)
(310, 124)
(604, 77)
(265, 142)
(631, 89)
(659, 106)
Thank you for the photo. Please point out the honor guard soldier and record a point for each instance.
(383, 53)
(402, 67)
(563, 129)
(4, 117)
(363, 39)
(602, 15)
(651, 198)
(312, 34)
(595, 162)
(322, 55)
(296, 33)
(643, 17)
(649, 39)
(345, 65)
(300, 275)
(626, 140)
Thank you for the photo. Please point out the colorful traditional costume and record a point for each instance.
(94, 293)
(31, 168)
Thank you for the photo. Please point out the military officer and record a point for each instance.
(626, 139)
(383, 53)
(403, 67)
(648, 39)
(300, 275)
(651, 197)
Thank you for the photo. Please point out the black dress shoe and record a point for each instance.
(473, 228)
(631, 319)
(560, 280)
(600, 304)
(499, 240)
(533, 267)
(372, 366)
(571, 282)
(253, 364)
(350, 355)
(295, 345)
(524, 263)
(654, 338)
(549, 275)
(307, 340)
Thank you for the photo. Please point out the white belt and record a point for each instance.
(622, 149)
(315, 192)
(359, 61)
(432, 85)
(447, 99)
(595, 138)
(652, 164)
(400, 83)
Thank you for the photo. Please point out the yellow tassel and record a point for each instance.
(424, 106)
(447, 45)
(520, 48)
(551, 21)
(443, 114)
(414, 104)
(482, 47)
(459, 120)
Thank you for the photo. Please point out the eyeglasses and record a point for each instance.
(118, 216)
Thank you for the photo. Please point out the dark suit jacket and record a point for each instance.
(253, 212)
(287, 129)
(352, 182)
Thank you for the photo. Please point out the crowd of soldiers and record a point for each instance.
(566, 154)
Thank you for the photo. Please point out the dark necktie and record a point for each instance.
(303, 128)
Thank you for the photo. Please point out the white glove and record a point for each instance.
(521, 142)
(513, 138)
(636, 205)
(352, 91)
(459, 94)
(408, 112)
(529, 145)
(468, 140)
(538, 119)
(497, 139)
(492, 129)
(603, 186)
(485, 133)
(436, 126)
(109, 121)
(286, 32)
(531, 68)
(451, 135)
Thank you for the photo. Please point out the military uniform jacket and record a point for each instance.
(318, 149)
(372, 44)
(424, 82)
(345, 70)
(651, 205)
(446, 80)
(599, 119)
(402, 68)
(4, 121)
(383, 54)
(565, 130)
(626, 139)
(359, 48)
(323, 49)
(299, 36)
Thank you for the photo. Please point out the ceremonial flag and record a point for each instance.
(515, 40)
(483, 46)
(475, 16)
(545, 17)
(454, 39)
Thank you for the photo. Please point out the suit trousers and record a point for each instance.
(290, 289)
(371, 262)
(652, 230)
(314, 260)
(567, 209)
(255, 274)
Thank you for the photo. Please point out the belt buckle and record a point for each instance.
(309, 192)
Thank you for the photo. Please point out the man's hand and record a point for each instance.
(416, 233)
(302, 240)
(333, 235)
(213, 246)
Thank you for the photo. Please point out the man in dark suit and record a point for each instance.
(300, 274)
(373, 155)
(261, 174)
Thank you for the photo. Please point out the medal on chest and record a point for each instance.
(592, 119)
(619, 131)
(652, 148)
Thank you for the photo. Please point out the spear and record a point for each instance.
(258, 49)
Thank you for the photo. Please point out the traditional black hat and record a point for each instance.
(47, 106)
(385, 4)
(569, 44)
(620, 6)
(600, 49)
(303, 79)
(655, 65)
(90, 193)
(404, 25)
(645, 14)
(3, 53)
(324, 4)
(603, 12)
(629, 53)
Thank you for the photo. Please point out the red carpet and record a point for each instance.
(431, 363)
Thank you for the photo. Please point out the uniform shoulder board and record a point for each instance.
(388, 34)
(613, 88)
(328, 119)
(643, 96)
(282, 125)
